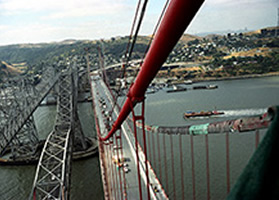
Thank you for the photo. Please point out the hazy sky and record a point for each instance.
(33, 21)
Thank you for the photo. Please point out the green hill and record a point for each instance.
(189, 49)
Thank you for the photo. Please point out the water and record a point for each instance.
(235, 98)
(16, 181)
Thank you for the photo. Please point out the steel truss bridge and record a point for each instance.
(19, 142)
(19, 99)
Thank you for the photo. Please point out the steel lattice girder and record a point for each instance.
(24, 99)
(53, 171)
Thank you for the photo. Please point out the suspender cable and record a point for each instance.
(153, 150)
(172, 168)
(159, 157)
(228, 161)
(171, 28)
(181, 166)
(193, 167)
(207, 167)
(149, 146)
(145, 152)
(165, 162)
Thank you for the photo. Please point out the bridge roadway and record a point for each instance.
(103, 102)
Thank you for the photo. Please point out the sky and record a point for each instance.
(35, 21)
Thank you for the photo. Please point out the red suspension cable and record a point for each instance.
(177, 17)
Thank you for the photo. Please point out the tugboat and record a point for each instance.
(191, 114)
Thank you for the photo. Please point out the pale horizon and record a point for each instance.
(38, 21)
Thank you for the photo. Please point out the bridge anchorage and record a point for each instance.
(19, 98)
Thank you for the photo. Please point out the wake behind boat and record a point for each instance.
(191, 114)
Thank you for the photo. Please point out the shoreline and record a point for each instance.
(248, 76)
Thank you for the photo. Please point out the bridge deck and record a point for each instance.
(103, 102)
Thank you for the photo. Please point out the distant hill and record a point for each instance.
(114, 48)
(33, 53)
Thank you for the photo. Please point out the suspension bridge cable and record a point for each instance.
(147, 48)
(152, 36)
(169, 32)
(129, 50)
(137, 30)
(155, 29)
(131, 35)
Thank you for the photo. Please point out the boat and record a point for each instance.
(188, 82)
(199, 87)
(177, 89)
(212, 86)
(191, 114)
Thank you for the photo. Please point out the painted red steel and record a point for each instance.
(177, 17)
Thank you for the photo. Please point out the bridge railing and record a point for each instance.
(199, 161)
(202, 161)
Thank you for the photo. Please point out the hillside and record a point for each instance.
(260, 51)
(7, 70)
(187, 38)
(215, 50)
(114, 47)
